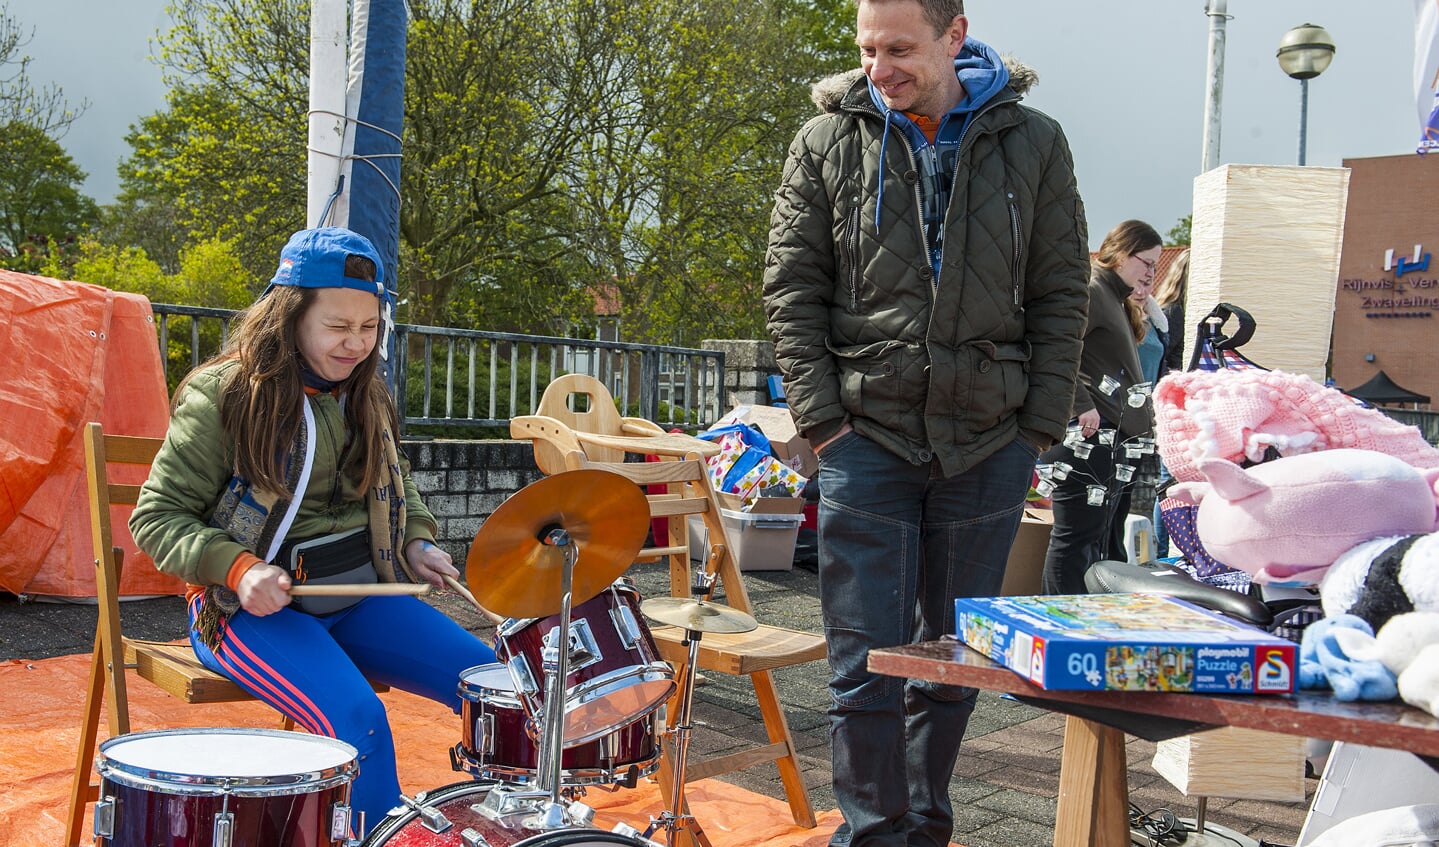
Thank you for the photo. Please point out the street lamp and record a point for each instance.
(1304, 53)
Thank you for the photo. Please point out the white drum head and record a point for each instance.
(216, 755)
(491, 679)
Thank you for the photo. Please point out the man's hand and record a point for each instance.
(429, 562)
(264, 589)
(1089, 422)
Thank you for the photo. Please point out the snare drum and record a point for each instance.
(460, 805)
(220, 787)
(499, 741)
(615, 672)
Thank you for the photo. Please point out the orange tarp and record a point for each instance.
(41, 704)
(73, 353)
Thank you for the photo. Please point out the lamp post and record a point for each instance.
(1304, 53)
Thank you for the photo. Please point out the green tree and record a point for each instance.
(551, 146)
(40, 199)
(1178, 235)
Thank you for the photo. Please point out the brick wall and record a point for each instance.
(463, 482)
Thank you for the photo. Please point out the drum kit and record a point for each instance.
(538, 727)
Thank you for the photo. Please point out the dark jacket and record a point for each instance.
(949, 369)
(1109, 350)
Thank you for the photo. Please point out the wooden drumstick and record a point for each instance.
(371, 589)
(464, 592)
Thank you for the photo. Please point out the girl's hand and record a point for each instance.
(264, 589)
(429, 562)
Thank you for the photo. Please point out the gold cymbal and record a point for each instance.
(514, 573)
(698, 615)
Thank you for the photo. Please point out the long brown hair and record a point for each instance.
(260, 400)
(1125, 240)
(1175, 285)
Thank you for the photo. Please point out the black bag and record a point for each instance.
(343, 558)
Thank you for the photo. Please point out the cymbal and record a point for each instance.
(698, 615)
(514, 573)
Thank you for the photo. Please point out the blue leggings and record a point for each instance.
(317, 670)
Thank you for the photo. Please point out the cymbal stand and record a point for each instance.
(679, 818)
(552, 743)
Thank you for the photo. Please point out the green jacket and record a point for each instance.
(194, 465)
(949, 369)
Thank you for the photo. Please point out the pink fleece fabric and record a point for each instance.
(1236, 414)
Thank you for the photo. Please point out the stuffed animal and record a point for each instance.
(1286, 521)
(1380, 634)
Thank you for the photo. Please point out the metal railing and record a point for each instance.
(453, 379)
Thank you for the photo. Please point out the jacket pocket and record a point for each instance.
(872, 378)
(993, 382)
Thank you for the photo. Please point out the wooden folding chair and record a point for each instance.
(170, 665)
(563, 440)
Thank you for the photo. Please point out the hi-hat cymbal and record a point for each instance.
(514, 573)
(697, 615)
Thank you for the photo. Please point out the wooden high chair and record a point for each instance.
(599, 438)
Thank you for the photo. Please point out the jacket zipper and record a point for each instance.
(853, 246)
(953, 178)
(1014, 230)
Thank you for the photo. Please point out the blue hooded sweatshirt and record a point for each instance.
(982, 73)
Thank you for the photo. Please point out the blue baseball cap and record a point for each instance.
(315, 258)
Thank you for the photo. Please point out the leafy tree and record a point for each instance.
(1178, 235)
(40, 199)
(551, 146)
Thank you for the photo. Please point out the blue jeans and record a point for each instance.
(897, 544)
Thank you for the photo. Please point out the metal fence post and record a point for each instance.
(650, 385)
(402, 348)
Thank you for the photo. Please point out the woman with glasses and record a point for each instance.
(1091, 469)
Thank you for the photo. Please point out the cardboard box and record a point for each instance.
(1126, 642)
(763, 537)
(777, 425)
(1026, 558)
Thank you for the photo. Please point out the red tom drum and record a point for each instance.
(499, 740)
(615, 672)
(223, 788)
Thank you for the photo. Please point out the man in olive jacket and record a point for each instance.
(925, 286)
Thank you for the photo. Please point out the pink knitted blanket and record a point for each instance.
(1237, 414)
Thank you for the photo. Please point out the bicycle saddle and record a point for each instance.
(1111, 577)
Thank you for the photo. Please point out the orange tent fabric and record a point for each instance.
(41, 704)
(74, 353)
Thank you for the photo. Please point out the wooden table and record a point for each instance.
(1094, 778)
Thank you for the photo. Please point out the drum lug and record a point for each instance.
(472, 838)
(433, 819)
(224, 829)
(520, 671)
(339, 822)
(626, 626)
(584, 649)
(485, 729)
(105, 818)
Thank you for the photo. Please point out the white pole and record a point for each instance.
(327, 103)
(1214, 83)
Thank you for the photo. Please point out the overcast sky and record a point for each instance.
(1126, 78)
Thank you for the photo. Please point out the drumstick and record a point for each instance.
(464, 592)
(360, 589)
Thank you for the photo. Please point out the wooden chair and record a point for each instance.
(170, 665)
(598, 438)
